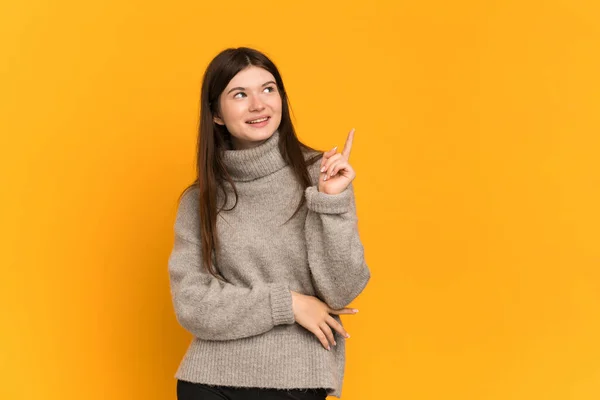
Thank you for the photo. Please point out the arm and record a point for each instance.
(209, 308)
(335, 252)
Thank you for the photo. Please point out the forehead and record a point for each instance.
(251, 77)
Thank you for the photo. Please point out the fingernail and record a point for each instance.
(354, 310)
(328, 348)
(335, 148)
(323, 169)
(347, 335)
(334, 343)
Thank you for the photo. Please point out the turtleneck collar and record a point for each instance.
(256, 162)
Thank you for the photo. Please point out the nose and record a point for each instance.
(256, 103)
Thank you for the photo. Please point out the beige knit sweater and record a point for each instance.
(244, 330)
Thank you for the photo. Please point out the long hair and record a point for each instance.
(213, 138)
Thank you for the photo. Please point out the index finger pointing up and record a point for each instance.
(348, 144)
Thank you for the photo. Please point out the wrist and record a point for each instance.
(326, 203)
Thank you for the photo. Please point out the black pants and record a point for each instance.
(198, 391)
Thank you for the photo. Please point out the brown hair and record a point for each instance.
(212, 138)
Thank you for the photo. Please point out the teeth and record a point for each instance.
(258, 120)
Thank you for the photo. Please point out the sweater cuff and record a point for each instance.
(281, 304)
(327, 203)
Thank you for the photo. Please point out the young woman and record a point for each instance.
(266, 253)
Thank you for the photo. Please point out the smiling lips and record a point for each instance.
(258, 120)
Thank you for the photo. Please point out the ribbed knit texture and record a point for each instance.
(244, 330)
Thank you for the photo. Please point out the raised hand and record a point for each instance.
(313, 314)
(336, 172)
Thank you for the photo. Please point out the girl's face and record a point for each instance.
(250, 96)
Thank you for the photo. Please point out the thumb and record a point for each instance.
(343, 311)
(328, 154)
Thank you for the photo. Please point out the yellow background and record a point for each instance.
(476, 153)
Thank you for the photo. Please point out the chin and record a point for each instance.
(255, 138)
(261, 134)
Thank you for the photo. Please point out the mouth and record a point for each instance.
(259, 121)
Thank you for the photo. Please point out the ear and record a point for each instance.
(218, 120)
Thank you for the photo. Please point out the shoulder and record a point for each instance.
(313, 162)
(313, 171)
(187, 218)
(189, 197)
(310, 153)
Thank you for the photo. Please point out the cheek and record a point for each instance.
(232, 112)
(276, 105)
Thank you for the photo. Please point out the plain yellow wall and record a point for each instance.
(478, 177)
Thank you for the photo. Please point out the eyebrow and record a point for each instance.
(241, 88)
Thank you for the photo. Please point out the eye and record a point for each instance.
(235, 96)
(271, 88)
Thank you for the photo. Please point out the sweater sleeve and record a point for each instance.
(211, 309)
(335, 252)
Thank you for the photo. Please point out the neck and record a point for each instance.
(238, 144)
(256, 162)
